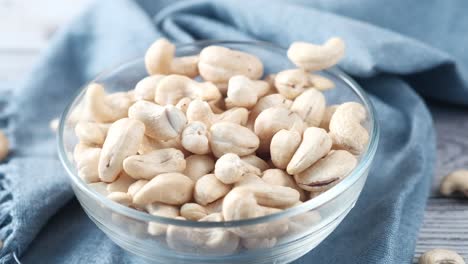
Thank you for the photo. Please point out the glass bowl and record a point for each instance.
(303, 226)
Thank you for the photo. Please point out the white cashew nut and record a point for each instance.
(193, 211)
(229, 137)
(229, 168)
(310, 106)
(161, 123)
(163, 210)
(91, 133)
(102, 108)
(281, 178)
(150, 165)
(326, 172)
(136, 186)
(256, 162)
(145, 89)
(327, 115)
(4, 146)
(316, 57)
(456, 181)
(316, 143)
(218, 64)
(201, 111)
(441, 256)
(243, 92)
(123, 139)
(198, 166)
(87, 161)
(209, 189)
(283, 146)
(172, 88)
(195, 138)
(346, 128)
(122, 183)
(169, 188)
(121, 198)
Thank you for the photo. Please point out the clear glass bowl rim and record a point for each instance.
(334, 192)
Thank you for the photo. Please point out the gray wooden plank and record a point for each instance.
(445, 226)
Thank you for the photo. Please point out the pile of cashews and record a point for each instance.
(229, 147)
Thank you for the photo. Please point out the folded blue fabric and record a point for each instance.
(395, 49)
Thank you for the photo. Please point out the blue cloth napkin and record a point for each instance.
(395, 49)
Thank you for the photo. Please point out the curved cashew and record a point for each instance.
(121, 184)
(136, 186)
(91, 133)
(172, 88)
(314, 57)
(150, 144)
(102, 108)
(256, 162)
(121, 198)
(310, 106)
(150, 165)
(215, 207)
(87, 162)
(169, 188)
(283, 146)
(346, 129)
(291, 83)
(270, 79)
(281, 178)
(327, 115)
(160, 209)
(321, 83)
(198, 166)
(159, 59)
(209, 189)
(146, 87)
(316, 143)
(4, 146)
(455, 181)
(201, 111)
(273, 120)
(229, 168)
(257, 243)
(195, 138)
(441, 256)
(269, 101)
(161, 123)
(228, 137)
(193, 211)
(326, 172)
(123, 139)
(217, 241)
(218, 64)
(243, 92)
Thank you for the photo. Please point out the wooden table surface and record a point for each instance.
(22, 37)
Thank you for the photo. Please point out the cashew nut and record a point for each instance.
(326, 172)
(269, 101)
(4, 146)
(98, 107)
(195, 138)
(150, 144)
(123, 139)
(310, 106)
(169, 188)
(217, 241)
(256, 162)
(91, 133)
(346, 129)
(198, 166)
(316, 143)
(122, 183)
(163, 210)
(145, 89)
(193, 211)
(283, 146)
(209, 189)
(291, 83)
(314, 57)
(327, 115)
(99, 187)
(136, 186)
(159, 59)
(161, 123)
(149, 165)
(441, 256)
(218, 64)
(119, 103)
(456, 181)
(243, 92)
(229, 168)
(249, 178)
(54, 124)
(172, 88)
(87, 161)
(183, 104)
(321, 83)
(121, 198)
(229, 137)
(201, 111)
(298, 224)
(273, 120)
(281, 178)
